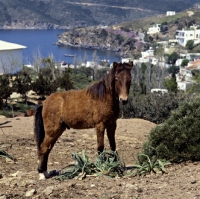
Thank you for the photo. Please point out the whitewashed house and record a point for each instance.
(184, 79)
(10, 57)
(170, 13)
(154, 29)
(123, 60)
(183, 36)
(193, 65)
(148, 56)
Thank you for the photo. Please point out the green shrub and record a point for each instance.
(153, 107)
(178, 139)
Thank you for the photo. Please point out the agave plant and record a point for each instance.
(6, 155)
(149, 165)
(107, 164)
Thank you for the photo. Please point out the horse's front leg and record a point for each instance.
(100, 130)
(110, 128)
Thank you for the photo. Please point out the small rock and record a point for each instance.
(17, 174)
(7, 146)
(3, 197)
(31, 182)
(81, 176)
(30, 193)
(21, 183)
(193, 182)
(92, 185)
(8, 160)
(139, 190)
(1, 175)
(130, 186)
(48, 190)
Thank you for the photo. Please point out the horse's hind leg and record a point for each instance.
(110, 128)
(51, 136)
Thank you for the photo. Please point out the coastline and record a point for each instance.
(117, 53)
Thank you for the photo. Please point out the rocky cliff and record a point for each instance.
(121, 42)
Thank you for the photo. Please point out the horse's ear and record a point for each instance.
(131, 64)
(115, 64)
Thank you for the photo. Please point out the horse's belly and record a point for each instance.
(86, 121)
(81, 125)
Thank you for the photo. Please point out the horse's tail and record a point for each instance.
(39, 126)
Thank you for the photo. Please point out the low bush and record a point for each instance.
(154, 107)
(178, 138)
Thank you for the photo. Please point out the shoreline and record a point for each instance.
(117, 53)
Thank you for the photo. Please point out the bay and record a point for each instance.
(44, 42)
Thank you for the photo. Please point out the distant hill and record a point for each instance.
(169, 24)
(51, 14)
(127, 39)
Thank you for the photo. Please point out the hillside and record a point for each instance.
(127, 39)
(51, 14)
(19, 180)
(118, 41)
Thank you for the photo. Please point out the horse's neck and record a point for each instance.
(114, 100)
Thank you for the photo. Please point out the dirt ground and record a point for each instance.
(20, 180)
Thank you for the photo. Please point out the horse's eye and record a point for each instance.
(116, 80)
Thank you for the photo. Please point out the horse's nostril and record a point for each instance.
(123, 101)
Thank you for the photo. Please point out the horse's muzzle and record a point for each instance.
(123, 101)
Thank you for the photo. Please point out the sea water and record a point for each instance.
(42, 43)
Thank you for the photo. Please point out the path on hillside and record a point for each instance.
(104, 5)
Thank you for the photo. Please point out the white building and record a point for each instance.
(10, 57)
(148, 56)
(154, 29)
(183, 36)
(184, 79)
(170, 13)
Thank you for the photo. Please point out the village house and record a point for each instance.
(184, 78)
(154, 29)
(170, 13)
(193, 65)
(184, 35)
(146, 57)
(10, 57)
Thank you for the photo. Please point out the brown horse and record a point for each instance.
(94, 107)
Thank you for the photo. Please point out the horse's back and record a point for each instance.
(77, 109)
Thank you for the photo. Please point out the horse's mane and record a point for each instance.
(98, 89)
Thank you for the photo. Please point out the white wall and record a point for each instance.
(184, 85)
(184, 35)
(10, 61)
(170, 13)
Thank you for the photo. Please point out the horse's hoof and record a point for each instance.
(45, 175)
(41, 176)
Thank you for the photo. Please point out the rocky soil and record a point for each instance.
(20, 179)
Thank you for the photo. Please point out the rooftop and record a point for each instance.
(193, 65)
(10, 46)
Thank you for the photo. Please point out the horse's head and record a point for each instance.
(122, 80)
